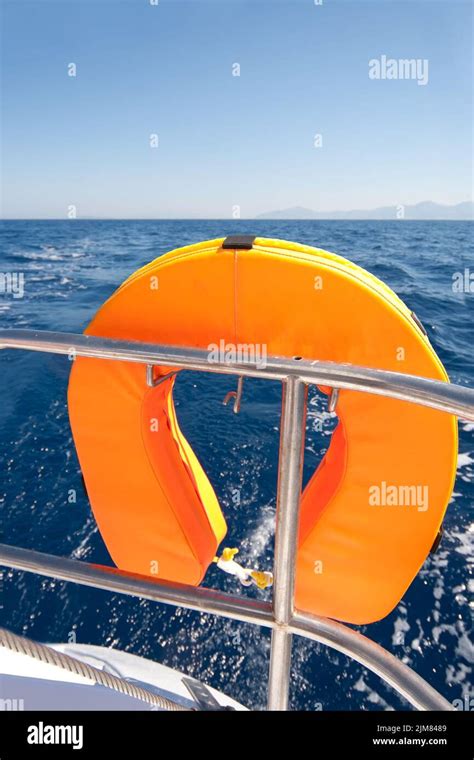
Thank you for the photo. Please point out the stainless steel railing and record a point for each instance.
(454, 399)
(280, 616)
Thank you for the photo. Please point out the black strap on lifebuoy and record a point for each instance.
(419, 323)
(437, 541)
(239, 242)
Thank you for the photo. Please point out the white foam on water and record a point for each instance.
(465, 648)
(371, 695)
(83, 549)
(256, 543)
(438, 590)
(465, 542)
(465, 459)
(401, 626)
(443, 628)
(460, 676)
(45, 255)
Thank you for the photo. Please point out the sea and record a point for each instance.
(68, 268)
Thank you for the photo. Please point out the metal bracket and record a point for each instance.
(150, 380)
(333, 398)
(237, 395)
(203, 697)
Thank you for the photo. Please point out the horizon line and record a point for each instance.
(212, 219)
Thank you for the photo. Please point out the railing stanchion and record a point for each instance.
(290, 470)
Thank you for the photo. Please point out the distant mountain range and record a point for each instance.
(424, 210)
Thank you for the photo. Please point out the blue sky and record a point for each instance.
(228, 141)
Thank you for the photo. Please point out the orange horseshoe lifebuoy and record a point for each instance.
(373, 508)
